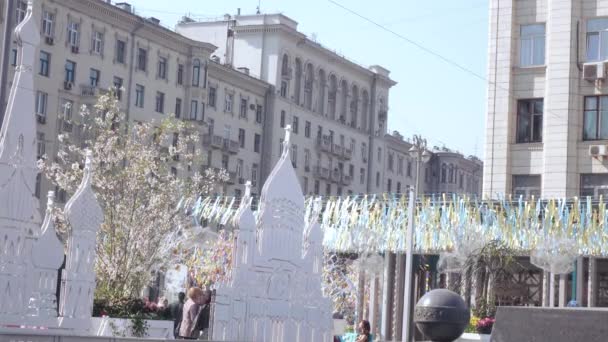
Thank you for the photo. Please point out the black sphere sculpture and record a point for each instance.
(441, 315)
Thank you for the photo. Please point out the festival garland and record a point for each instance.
(377, 223)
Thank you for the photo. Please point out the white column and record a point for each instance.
(563, 294)
(580, 279)
(398, 302)
(592, 283)
(387, 292)
(546, 288)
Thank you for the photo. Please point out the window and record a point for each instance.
(139, 95)
(362, 176)
(379, 154)
(258, 114)
(595, 122)
(241, 138)
(117, 82)
(73, 34)
(294, 155)
(121, 51)
(193, 109)
(21, 10)
(389, 185)
(398, 187)
(14, 57)
(97, 45)
(239, 168)
(461, 181)
(390, 162)
(307, 159)
(180, 74)
(351, 170)
(94, 76)
(529, 121)
(160, 102)
(307, 129)
(243, 108)
(228, 103)
(48, 20)
(225, 161)
(281, 146)
(305, 185)
(67, 106)
(526, 186)
(196, 73)
(41, 102)
(364, 152)
(162, 68)
(283, 88)
(45, 63)
(257, 140)
(178, 108)
(142, 59)
(597, 39)
(400, 165)
(254, 174)
(444, 171)
(317, 187)
(41, 145)
(532, 45)
(212, 96)
(70, 71)
(377, 179)
(38, 185)
(409, 168)
(328, 189)
(282, 119)
(594, 185)
(294, 126)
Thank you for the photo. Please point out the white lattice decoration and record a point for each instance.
(275, 292)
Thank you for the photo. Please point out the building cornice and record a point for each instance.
(130, 22)
(237, 78)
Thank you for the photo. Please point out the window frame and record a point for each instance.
(598, 117)
(212, 97)
(531, 108)
(533, 39)
(48, 24)
(41, 103)
(70, 73)
(160, 102)
(121, 51)
(94, 81)
(162, 68)
(139, 95)
(257, 143)
(73, 33)
(142, 59)
(196, 72)
(45, 64)
(97, 40)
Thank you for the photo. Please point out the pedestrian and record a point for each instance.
(187, 328)
(202, 322)
(364, 332)
(175, 310)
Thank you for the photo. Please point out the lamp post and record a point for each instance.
(419, 152)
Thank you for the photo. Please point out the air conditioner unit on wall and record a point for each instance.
(594, 71)
(598, 151)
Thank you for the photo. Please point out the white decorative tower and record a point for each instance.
(78, 280)
(19, 216)
(275, 293)
(47, 256)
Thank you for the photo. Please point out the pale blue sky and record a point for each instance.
(437, 100)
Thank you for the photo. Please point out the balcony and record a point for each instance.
(347, 154)
(336, 176)
(214, 141)
(88, 90)
(230, 146)
(324, 143)
(338, 150)
(346, 180)
(231, 177)
(321, 172)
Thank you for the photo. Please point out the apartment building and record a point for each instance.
(89, 46)
(545, 131)
(337, 109)
(447, 171)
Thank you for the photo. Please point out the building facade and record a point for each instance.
(545, 131)
(337, 109)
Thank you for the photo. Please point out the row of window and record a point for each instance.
(400, 164)
(532, 42)
(530, 119)
(244, 105)
(593, 185)
(97, 47)
(317, 188)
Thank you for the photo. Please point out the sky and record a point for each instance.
(433, 98)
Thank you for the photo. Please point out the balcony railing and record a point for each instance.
(336, 176)
(324, 143)
(347, 154)
(321, 172)
(215, 141)
(338, 150)
(346, 180)
(88, 90)
(230, 145)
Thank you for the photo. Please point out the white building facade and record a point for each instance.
(546, 133)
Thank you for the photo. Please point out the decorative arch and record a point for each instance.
(298, 81)
(332, 96)
(321, 91)
(309, 77)
(354, 106)
(343, 100)
(364, 109)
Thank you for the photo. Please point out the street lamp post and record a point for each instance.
(419, 152)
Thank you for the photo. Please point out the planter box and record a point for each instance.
(467, 337)
(107, 326)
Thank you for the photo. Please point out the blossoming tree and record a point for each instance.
(143, 171)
